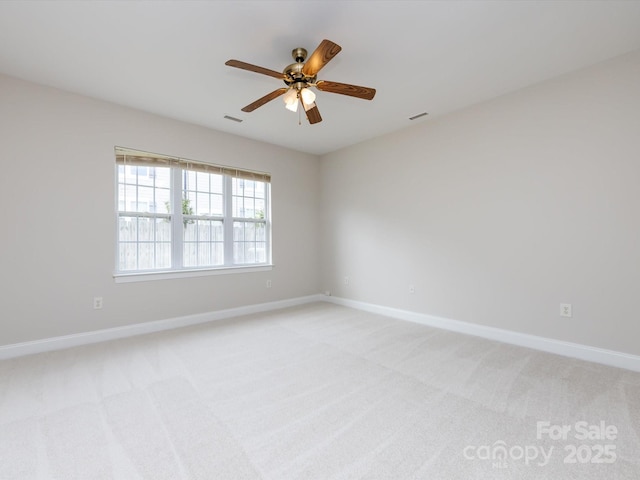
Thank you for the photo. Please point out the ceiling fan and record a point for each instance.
(299, 77)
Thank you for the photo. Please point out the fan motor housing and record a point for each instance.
(293, 73)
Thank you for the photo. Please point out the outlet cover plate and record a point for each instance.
(565, 310)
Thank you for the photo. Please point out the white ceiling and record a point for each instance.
(434, 56)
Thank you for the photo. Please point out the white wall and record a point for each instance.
(57, 165)
(499, 213)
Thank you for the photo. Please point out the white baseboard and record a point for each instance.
(559, 347)
(567, 349)
(75, 340)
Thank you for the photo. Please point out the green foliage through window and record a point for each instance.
(187, 209)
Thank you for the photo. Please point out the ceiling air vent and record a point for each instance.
(234, 119)
(418, 116)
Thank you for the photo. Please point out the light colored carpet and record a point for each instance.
(312, 392)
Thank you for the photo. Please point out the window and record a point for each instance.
(249, 232)
(176, 215)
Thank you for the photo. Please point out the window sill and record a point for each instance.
(171, 274)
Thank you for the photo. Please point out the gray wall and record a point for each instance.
(499, 213)
(58, 220)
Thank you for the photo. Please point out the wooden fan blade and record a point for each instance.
(267, 98)
(254, 68)
(365, 93)
(313, 114)
(320, 57)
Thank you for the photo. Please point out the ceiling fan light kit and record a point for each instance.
(291, 100)
(300, 76)
(307, 96)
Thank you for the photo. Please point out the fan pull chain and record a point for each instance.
(300, 108)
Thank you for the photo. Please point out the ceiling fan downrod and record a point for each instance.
(299, 54)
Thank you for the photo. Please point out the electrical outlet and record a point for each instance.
(97, 303)
(347, 280)
(268, 283)
(565, 310)
(412, 289)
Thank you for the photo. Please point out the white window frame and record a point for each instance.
(177, 270)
